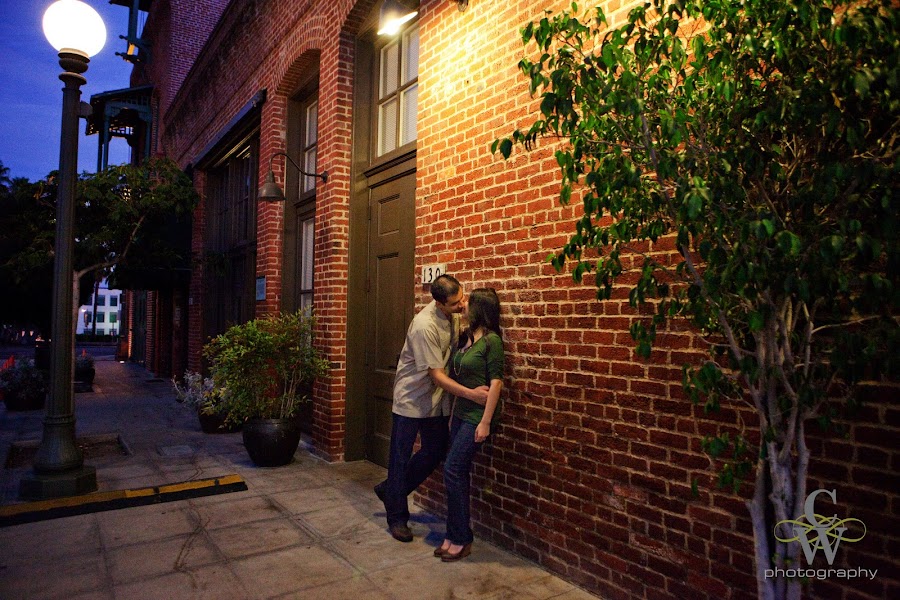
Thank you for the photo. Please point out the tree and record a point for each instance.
(759, 139)
(121, 214)
(29, 306)
(5, 181)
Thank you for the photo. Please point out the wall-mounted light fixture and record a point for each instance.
(393, 14)
(271, 191)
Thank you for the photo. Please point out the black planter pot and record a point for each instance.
(85, 375)
(215, 423)
(271, 442)
(16, 401)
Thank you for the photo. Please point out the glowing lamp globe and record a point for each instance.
(74, 26)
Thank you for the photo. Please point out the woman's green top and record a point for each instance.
(475, 366)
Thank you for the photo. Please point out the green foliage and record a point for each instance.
(84, 360)
(198, 392)
(121, 214)
(760, 140)
(23, 380)
(20, 222)
(263, 364)
(760, 136)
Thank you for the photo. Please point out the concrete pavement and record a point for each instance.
(307, 530)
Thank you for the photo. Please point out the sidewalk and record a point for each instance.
(308, 530)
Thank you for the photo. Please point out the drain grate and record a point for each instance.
(21, 454)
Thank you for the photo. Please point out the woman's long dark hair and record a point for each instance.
(484, 311)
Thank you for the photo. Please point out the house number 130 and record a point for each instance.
(432, 272)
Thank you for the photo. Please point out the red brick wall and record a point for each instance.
(590, 473)
(285, 38)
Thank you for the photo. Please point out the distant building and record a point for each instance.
(104, 306)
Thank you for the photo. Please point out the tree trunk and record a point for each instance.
(765, 590)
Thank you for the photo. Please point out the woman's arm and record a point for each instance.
(483, 430)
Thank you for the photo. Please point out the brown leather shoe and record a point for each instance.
(466, 550)
(401, 532)
(439, 552)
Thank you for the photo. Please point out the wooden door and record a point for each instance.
(389, 302)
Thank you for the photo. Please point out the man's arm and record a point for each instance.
(442, 380)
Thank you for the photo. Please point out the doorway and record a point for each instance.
(389, 302)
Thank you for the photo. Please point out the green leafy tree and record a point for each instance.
(121, 215)
(20, 220)
(739, 161)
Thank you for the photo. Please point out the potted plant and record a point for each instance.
(22, 385)
(264, 365)
(84, 368)
(205, 398)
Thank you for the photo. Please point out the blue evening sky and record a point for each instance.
(31, 92)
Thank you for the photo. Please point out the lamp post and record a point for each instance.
(77, 32)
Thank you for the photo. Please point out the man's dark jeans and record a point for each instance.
(407, 471)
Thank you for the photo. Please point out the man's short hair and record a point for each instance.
(443, 287)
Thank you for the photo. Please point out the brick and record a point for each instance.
(597, 445)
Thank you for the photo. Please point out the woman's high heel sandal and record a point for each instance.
(439, 551)
(449, 557)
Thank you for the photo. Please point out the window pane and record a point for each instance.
(309, 165)
(306, 253)
(101, 300)
(409, 101)
(411, 56)
(101, 317)
(113, 317)
(389, 64)
(312, 124)
(387, 127)
(113, 300)
(306, 301)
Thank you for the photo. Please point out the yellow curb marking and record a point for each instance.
(101, 497)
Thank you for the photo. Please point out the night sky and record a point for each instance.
(31, 92)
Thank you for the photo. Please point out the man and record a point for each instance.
(420, 406)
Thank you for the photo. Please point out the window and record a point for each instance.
(113, 331)
(309, 142)
(398, 92)
(88, 318)
(231, 239)
(101, 317)
(305, 244)
(113, 300)
(113, 317)
(101, 300)
(100, 330)
(300, 220)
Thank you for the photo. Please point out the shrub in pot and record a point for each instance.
(84, 367)
(264, 365)
(23, 385)
(205, 398)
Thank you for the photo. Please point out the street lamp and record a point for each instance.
(77, 32)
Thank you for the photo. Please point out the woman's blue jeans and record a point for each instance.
(457, 479)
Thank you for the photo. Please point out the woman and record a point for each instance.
(478, 361)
